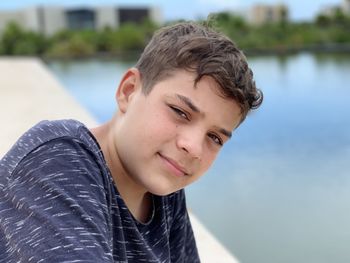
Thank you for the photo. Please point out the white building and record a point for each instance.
(263, 13)
(50, 19)
(346, 6)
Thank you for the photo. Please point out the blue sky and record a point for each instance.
(189, 9)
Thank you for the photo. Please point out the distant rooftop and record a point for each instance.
(51, 19)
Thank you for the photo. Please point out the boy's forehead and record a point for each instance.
(186, 80)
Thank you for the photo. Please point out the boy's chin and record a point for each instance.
(164, 191)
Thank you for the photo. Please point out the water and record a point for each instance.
(280, 189)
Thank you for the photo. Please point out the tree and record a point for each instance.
(16, 41)
(12, 34)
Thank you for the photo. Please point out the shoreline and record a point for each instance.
(329, 48)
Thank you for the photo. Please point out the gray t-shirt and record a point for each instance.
(58, 203)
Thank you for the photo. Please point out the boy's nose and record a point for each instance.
(191, 143)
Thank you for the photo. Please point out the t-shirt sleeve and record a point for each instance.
(182, 242)
(57, 209)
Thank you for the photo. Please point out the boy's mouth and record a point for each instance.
(174, 166)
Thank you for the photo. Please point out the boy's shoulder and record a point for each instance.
(43, 132)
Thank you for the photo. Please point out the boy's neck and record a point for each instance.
(138, 201)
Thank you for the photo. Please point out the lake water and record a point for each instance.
(280, 189)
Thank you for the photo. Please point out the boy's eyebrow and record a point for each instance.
(193, 107)
(188, 102)
(226, 133)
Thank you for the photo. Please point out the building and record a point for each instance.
(50, 19)
(346, 6)
(261, 14)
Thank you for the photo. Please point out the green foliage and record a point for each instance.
(337, 19)
(233, 26)
(10, 37)
(104, 40)
(128, 38)
(75, 46)
(227, 20)
(16, 41)
(284, 36)
(323, 20)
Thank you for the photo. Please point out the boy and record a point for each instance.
(115, 193)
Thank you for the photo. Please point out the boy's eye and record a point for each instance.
(179, 112)
(216, 139)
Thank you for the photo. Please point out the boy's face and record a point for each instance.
(167, 139)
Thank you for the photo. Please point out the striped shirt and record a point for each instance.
(58, 203)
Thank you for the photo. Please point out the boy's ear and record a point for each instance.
(130, 83)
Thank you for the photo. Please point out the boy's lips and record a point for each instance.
(174, 166)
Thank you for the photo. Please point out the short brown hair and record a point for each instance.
(202, 50)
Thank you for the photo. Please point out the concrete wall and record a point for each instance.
(106, 16)
(156, 15)
(28, 94)
(54, 19)
(346, 6)
(262, 13)
(50, 19)
(32, 20)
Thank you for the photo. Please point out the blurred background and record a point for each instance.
(280, 189)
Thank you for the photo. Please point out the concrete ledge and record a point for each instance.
(29, 93)
(210, 249)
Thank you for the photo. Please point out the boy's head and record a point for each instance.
(205, 52)
(189, 91)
